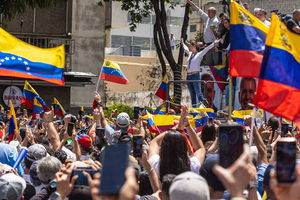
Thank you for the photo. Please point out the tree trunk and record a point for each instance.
(177, 69)
(158, 49)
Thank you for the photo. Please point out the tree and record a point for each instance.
(10, 8)
(138, 9)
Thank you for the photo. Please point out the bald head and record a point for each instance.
(211, 12)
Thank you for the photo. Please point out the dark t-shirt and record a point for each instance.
(291, 24)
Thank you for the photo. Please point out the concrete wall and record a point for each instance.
(88, 32)
(54, 20)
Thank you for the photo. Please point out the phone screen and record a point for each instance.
(136, 112)
(231, 143)
(115, 162)
(70, 128)
(137, 146)
(286, 160)
(100, 133)
(82, 180)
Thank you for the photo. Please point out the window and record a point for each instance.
(193, 28)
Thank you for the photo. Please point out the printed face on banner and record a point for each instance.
(208, 90)
(244, 93)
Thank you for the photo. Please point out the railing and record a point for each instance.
(50, 42)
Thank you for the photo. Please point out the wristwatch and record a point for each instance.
(55, 196)
(253, 184)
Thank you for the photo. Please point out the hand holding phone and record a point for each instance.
(137, 146)
(82, 179)
(286, 160)
(70, 128)
(115, 162)
(231, 143)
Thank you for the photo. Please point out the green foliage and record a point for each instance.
(119, 108)
(199, 36)
(10, 8)
(138, 9)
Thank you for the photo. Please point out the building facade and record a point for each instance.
(79, 25)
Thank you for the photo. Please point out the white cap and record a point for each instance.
(123, 120)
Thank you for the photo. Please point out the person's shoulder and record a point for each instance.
(291, 22)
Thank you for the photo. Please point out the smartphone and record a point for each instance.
(286, 160)
(284, 129)
(100, 133)
(136, 112)
(137, 146)
(115, 162)
(82, 180)
(70, 128)
(231, 143)
(40, 124)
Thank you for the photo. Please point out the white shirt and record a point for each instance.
(172, 41)
(155, 159)
(208, 35)
(194, 64)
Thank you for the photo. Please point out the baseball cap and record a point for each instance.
(84, 140)
(37, 151)
(189, 185)
(123, 120)
(11, 186)
(207, 173)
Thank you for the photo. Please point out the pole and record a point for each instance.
(252, 127)
(97, 85)
(230, 99)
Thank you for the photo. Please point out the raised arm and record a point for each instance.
(50, 128)
(195, 139)
(202, 14)
(186, 49)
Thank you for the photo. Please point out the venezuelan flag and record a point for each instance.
(247, 42)
(220, 73)
(202, 111)
(278, 88)
(42, 102)
(111, 71)
(22, 60)
(37, 107)
(199, 122)
(151, 125)
(13, 125)
(29, 94)
(58, 109)
(164, 122)
(162, 90)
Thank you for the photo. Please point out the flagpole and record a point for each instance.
(97, 85)
(230, 98)
(252, 127)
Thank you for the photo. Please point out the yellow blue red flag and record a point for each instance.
(247, 42)
(22, 60)
(13, 125)
(112, 72)
(162, 90)
(278, 90)
(58, 109)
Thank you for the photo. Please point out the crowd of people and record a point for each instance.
(176, 164)
(67, 158)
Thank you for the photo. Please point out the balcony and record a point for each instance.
(50, 42)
